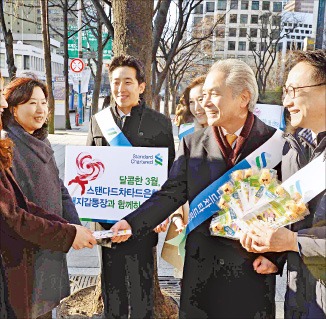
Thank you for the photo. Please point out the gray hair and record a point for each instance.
(239, 77)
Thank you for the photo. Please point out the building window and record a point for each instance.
(254, 19)
(253, 33)
(277, 6)
(255, 5)
(26, 62)
(210, 6)
(275, 34)
(197, 20)
(220, 32)
(234, 4)
(264, 33)
(233, 18)
(305, 25)
(231, 45)
(243, 18)
(276, 21)
(199, 9)
(221, 5)
(252, 46)
(232, 32)
(244, 4)
(243, 33)
(266, 5)
(2, 60)
(263, 46)
(242, 45)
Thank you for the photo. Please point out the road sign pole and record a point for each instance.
(80, 104)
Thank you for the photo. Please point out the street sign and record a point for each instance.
(89, 44)
(77, 65)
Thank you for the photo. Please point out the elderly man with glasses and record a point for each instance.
(305, 99)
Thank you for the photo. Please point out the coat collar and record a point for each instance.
(134, 110)
(41, 148)
(252, 142)
(210, 144)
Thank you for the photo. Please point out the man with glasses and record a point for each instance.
(305, 99)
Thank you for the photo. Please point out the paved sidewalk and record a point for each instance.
(85, 262)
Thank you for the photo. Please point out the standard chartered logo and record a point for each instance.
(158, 159)
(262, 160)
(147, 159)
(111, 131)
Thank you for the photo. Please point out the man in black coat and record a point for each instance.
(304, 241)
(220, 279)
(127, 272)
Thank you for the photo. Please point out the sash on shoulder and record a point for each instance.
(186, 129)
(110, 129)
(309, 181)
(204, 205)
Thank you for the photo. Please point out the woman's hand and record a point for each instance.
(84, 238)
(162, 227)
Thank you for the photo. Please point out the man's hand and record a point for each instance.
(264, 266)
(162, 227)
(120, 225)
(262, 238)
(84, 238)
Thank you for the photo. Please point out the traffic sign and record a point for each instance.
(77, 65)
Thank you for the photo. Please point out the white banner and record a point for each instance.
(271, 115)
(83, 77)
(107, 183)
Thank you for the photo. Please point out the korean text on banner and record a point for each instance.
(107, 183)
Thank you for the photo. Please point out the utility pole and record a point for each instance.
(80, 55)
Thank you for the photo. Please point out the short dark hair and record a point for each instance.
(128, 60)
(316, 59)
(19, 91)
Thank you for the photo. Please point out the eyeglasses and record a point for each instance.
(290, 90)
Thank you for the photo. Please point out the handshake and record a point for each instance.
(120, 232)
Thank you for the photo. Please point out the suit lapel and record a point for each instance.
(211, 146)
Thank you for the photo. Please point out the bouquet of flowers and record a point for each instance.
(252, 195)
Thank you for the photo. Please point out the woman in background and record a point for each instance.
(36, 173)
(192, 99)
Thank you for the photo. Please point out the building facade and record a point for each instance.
(239, 27)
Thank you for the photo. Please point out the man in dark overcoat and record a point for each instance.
(127, 272)
(220, 279)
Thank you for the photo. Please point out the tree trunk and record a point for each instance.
(157, 102)
(174, 97)
(99, 67)
(66, 62)
(167, 95)
(8, 45)
(133, 34)
(47, 62)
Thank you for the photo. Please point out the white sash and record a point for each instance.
(110, 129)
